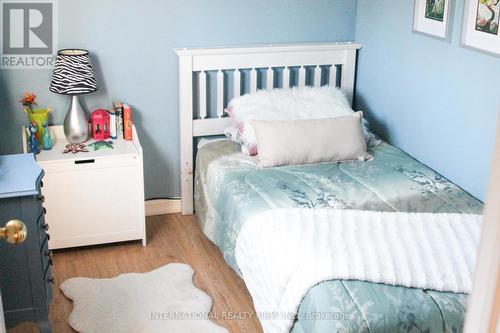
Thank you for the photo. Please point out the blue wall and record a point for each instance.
(434, 99)
(131, 43)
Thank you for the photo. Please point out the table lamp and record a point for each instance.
(73, 75)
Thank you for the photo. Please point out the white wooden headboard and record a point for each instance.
(245, 69)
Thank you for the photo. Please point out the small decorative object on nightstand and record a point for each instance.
(38, 116)
(34, 147)
(96, 197)
(75, 148)
(46, 138)
(101, 145)
(99, 120)
(73, 75)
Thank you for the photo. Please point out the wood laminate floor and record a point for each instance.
(171, 238)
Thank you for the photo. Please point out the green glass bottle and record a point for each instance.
(46, 138)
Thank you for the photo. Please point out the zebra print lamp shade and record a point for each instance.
(73, 73)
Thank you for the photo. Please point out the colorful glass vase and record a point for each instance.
(32, 141)
(38, 116)
(46, 138)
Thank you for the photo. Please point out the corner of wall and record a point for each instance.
(355, 28)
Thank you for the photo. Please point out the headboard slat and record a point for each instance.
(302, 77)
(269, 78)
(220, 93)
(237, 83)
(203, 94)
(333, 76)
(286, 77)
(283, 60)
(317, 76)
(253, 80)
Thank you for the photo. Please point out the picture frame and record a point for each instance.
(432, 18)
(480, 29)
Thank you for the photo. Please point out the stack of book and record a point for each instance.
(121, 121)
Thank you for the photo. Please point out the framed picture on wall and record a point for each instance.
(431, 17)
(480, 30)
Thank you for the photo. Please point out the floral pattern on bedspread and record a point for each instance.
(356, 306)
(235, 188)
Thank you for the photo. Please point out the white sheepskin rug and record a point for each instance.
(163, 300)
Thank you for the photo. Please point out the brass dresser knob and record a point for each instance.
(14, 232)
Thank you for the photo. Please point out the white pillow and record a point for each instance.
(234, 135)
(289, 142)
(284, 104)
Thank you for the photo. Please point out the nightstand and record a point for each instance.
(95, 197)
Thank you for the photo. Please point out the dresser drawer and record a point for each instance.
(48, 288)
(46, 258)
(44, 243)
(42, 227)
(48, 278)
(38, 206)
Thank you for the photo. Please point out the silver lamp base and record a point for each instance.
(76, 123)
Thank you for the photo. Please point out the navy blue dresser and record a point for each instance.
(25, 272)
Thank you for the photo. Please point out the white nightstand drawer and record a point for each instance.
(89, 163)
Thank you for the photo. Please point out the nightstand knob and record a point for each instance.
(45, 227)
(42, 199)
(14, 232)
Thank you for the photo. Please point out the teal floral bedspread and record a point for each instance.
(229, 188)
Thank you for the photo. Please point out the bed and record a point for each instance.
(229, 187)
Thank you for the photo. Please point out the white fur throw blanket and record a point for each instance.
(283, 253)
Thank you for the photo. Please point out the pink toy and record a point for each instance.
(100, 124)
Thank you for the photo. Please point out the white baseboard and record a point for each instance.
(162, 206)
